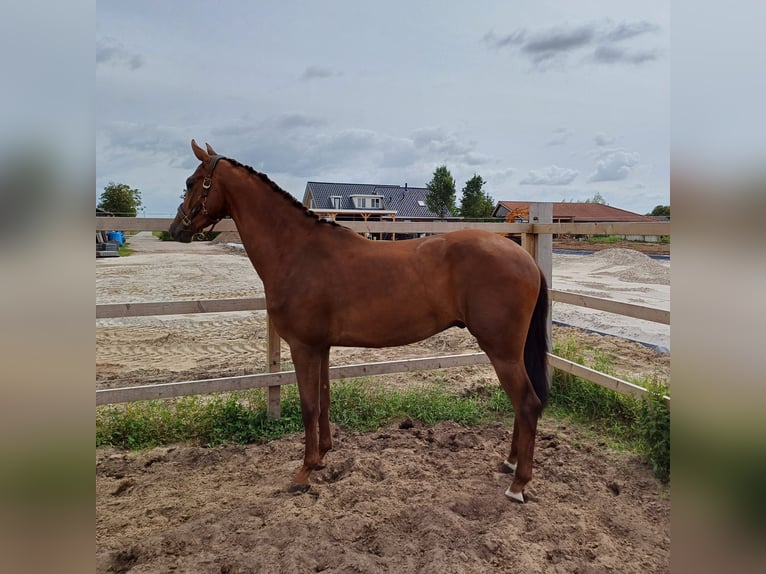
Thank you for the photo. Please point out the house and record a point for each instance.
(364, 201)
(575, 212)
(367, 202)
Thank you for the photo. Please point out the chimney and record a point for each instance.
(405, 187)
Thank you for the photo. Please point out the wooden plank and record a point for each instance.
(601, 379)
(185, 388)
(149, 224)
(115, 310)
(242, 382)
(627, 309)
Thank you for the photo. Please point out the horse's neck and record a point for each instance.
(272, 229)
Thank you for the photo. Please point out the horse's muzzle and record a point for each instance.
(180, 232)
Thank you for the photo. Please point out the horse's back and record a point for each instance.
(492, 255)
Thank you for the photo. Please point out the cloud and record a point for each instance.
(551, 175)
(318, 73)
(558, 137)
(615, 165)
(627, 30)
(597, 41)
(321, 151)
(549, 44)
(110, 52)
(603, 139)
(614, 55)
(438, 142)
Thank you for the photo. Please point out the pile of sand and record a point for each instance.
(638, 267)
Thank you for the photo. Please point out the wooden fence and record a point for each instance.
(536, 238)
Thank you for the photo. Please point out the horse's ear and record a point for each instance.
(210, 149)
(201, 154)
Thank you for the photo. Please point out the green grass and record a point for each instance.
(605, 239)
(163, 235)
(124, 250)
(641, 425)
(242, 417)
(623, 422)
(664, 239)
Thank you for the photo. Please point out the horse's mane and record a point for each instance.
(288, 196)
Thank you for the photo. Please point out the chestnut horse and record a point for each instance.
(327, 285)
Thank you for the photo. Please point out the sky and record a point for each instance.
(546, 100)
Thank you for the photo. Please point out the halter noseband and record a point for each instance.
(206, 185)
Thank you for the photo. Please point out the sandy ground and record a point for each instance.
(620, 275)
(419, 499)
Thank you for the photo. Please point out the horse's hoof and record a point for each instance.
(509, 466)
(298, 488)
(517, 496)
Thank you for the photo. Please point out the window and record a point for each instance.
(335, 199)
(367, 201)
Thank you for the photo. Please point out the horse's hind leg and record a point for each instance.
(527, 407)
(512, 460)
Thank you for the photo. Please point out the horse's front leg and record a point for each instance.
(308, 366)
(325, 434)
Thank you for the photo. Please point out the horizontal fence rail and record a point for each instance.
(617, 307)
(243, 382)
(118, 310)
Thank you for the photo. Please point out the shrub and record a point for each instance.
(654, 430)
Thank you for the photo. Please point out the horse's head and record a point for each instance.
(204, 204)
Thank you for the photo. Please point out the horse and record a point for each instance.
(326, 285)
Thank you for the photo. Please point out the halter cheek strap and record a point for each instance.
(206, 185)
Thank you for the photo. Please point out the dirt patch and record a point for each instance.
(409, 498)
(419, 499)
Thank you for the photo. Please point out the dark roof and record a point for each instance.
(403, 200)
(575, 212)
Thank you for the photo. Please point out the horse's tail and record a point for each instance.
(536, 347)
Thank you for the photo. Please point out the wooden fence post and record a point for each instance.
(275, 365)
(540, 246)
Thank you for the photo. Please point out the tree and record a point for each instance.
(441, 193)
(475, 202)
(120, 199)
(597, 198)
(661, 210)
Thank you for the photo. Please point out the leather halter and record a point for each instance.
(206, 185)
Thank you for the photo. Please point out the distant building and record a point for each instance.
(367, 201)
(571, 212)
(574, 212)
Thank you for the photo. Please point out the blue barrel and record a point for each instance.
(116, 236)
